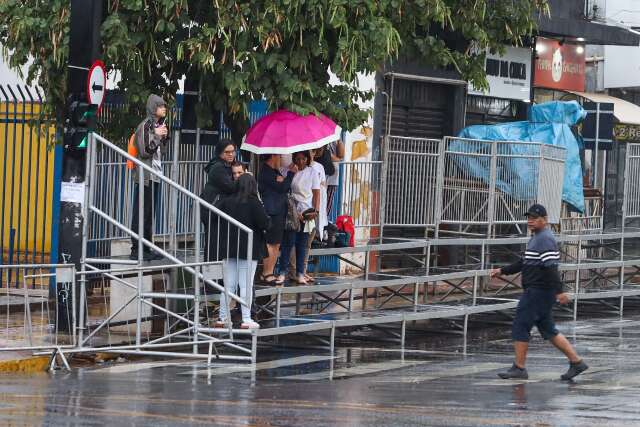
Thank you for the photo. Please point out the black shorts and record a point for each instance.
(276, 231)
(534, 309)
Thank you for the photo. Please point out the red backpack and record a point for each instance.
(345, 224)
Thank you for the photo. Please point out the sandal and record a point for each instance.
(309, 279)
(300, 280)
(277, 280)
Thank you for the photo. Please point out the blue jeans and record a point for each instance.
(235, 273)
(291, 239)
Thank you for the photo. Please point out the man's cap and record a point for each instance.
(536, 210)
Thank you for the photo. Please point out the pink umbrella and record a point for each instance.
(284, 132)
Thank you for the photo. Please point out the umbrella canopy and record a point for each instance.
(284, 132)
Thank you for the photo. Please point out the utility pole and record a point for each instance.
(84, 49)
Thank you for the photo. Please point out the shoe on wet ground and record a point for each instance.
(514, 373)
(575, 369)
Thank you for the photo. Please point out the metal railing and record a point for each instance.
(360, 194)
(468, 183)
(410, 180)
(174, 292)
(631, 202)
(588, 222)
(37, 307)
(30, 184)
(493, 182)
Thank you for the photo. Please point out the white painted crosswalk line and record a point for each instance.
(279, 363)
(363, 369)
(135, 367)
(448, 373)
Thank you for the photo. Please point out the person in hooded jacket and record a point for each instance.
(240, 266)
(150, 139)
(219, 184)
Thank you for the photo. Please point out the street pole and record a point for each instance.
(84, 48)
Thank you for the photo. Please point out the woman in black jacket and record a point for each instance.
(245, 207)
(273, 190)
(219, 185)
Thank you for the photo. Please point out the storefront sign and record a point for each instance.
(559, 66)
(509, 76)
(626, 133)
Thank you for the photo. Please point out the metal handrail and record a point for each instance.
(173, 184)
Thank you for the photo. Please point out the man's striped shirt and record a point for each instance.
(539, 264)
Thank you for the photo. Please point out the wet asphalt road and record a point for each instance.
(373, 385)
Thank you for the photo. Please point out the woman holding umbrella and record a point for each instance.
(274, 188)
(285, 132)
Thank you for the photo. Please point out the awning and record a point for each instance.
(624, 111)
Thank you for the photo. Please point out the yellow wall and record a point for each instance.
(33, 217)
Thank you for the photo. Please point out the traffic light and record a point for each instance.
(81, 119)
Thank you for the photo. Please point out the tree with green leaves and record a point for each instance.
(284, 51)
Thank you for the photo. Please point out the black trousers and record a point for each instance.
(151, 196)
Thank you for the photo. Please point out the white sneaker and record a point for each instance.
(249, 324)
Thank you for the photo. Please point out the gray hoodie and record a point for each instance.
(147, 142)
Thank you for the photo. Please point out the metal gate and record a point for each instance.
(631, 201)
(411, 172)
(488, 183)
(30, 176)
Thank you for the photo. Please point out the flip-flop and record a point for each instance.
(300, 281)
(309, 278)
(275, 280)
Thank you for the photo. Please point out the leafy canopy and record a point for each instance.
(281, 50)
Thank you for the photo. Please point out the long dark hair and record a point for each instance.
(246, 188)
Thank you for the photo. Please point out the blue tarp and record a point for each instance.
(549, 123)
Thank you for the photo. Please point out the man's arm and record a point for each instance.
(269, 181)
(514, 268)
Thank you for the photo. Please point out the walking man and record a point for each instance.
(542, 288)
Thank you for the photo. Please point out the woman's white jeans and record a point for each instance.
(235, 272)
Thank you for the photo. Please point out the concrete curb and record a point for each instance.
(27, 365)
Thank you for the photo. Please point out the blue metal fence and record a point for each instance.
(30, 169)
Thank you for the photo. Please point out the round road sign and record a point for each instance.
(96, 83)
